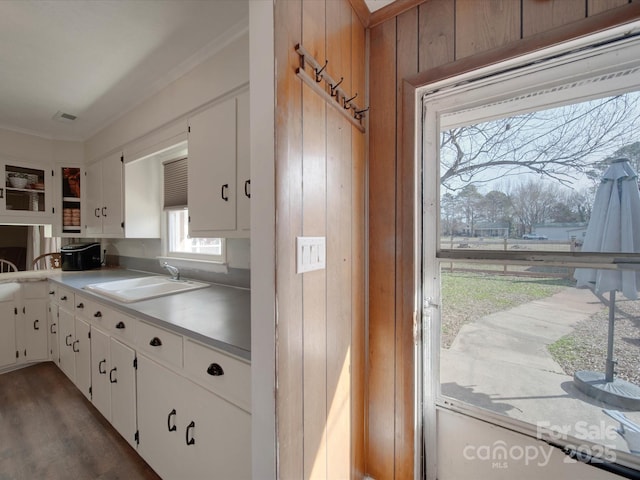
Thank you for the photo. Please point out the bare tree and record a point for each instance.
(533, 203)
(561, 143)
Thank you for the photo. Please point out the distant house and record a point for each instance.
(491, 229)
(563, 232)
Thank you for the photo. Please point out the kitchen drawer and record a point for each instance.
(162, 344)
(122, 326)
(53, 292)
(95, 312)
(65, 298)
(227, 376)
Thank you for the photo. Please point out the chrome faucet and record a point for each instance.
(175, 273)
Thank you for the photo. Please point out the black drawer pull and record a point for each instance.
(100, 370)
(120, 325)
(80, 305)
(66, 340)
(51, 328)
(171, 428)
(74, 346)
(192, 440)
(246, 188)
(64, 298)
(111, 379)
(215, 370)
(222, 192)
(98, 314)
(52, 292)
(155, 342)
(35, 325)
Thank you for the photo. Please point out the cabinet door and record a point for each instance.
(93, 185)
(219, 437)
(111, 209)
(26, 192)
(100, 367)
(244, 175)
(66, 337)
(35, 325)
(82, 352)
(52, 328)
(122, 376)
(7, 333)
(161, 418)
(212, 170)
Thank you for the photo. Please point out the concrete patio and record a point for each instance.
(501, 363)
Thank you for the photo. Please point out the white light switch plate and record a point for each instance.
(311, 253)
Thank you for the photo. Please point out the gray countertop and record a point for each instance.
(219, 316)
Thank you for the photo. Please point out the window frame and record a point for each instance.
(186, 256)
(467, 92)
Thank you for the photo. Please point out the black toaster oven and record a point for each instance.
(80, 256)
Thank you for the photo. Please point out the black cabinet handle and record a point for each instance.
(98, 314)
(95, 212)
(111, 379)
(35, 325)
(192, 440)
(120, 325)
(222, 192)
(171, 428)
(246, 188)
(80, 305)
(1, 192)
(100, 370)
(74, 346)
(51, 328)
(64, 298)
(52, 292)
(103, 211)
(155, 342)
(215, 370)
(66, 340)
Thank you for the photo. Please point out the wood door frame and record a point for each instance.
(407, 193)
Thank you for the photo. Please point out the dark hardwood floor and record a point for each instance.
(50, 431)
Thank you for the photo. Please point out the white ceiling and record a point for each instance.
(96, 59)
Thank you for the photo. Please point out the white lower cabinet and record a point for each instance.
(52, 329)
(155, 386)
(187, 431)
(75, 350)
(114, 382)
(8, 351)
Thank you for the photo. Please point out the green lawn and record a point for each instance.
(467, 296)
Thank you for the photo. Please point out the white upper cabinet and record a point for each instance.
(219, 184)
(26, 193)
(212, 170)
(104, 199)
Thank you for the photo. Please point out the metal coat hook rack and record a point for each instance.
(334, 94)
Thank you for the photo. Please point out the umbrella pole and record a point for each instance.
(610, 362)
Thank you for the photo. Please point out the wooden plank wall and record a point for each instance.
(320, 185)
(417, 41)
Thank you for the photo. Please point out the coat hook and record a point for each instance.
(319, 72)
(358, 114)
(335, 87)
(347, 101)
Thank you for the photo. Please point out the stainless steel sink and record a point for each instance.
(143, 288)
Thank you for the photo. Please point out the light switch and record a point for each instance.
(311, 253)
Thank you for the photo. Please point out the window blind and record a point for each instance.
(175, 184)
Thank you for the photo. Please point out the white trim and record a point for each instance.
(204, 265)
